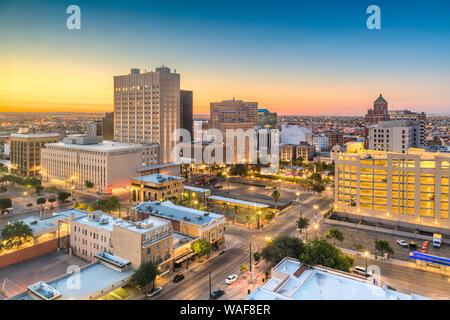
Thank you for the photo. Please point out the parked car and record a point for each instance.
(178, 277)
(268, 187)
(218, 186)
(403, 243)
(152, 292)
(216, 294)
(413, 245)
(361, 271)
(231, 278)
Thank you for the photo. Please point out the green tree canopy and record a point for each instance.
(202, 247)
(321, 252)
(382, 246)
(5, 203)
(88, 184)
(302, 223)
(41, 201)
(106, 204)
(282, 246)
(334, 234)
(63, 195)
(16, 234)
(145, 274)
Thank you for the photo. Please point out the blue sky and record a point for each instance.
(290, 56)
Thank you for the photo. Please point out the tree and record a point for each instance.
(282, 246)
(358, 246)
(38, 188)
(88, 184)
(236, 211)
(3, 189)
(257, 256)
(275, 197)
(29, 205)
(239, 170)
(63, 195)
(382, 246)
(53, 189)
(302, 223)
(145, 274)
(80, 205)
(324, 253)
(202, 247)
(106, 204)
(5, 203)
(51, 200)
(16, 234)
(225, 208)
(334, 234)
(40, 202)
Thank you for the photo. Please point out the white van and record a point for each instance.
(360, 270)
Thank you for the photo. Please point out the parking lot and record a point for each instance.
(366, 238)
(42, 268)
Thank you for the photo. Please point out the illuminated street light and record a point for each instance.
(366, 254)
(316, 227)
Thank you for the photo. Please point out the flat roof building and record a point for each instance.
(25, 152)
(107, 165)
(293, 281)
(196, 223)
(412, 187)
(156, 187)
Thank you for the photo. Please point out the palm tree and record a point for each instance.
(275, 197)
(302, 223)
(225, 208)
(236, 211)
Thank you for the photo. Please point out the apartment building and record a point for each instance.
(379, 112)
(26, 152)
(320, 142)
(394, 135)
(421, 118)
(233, 114)
(156, 187)
(137, 242)
(195, 223)
(411, 187)
(147, 108)
(107, 165)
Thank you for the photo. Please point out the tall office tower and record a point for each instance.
(147, 108)
(26, 152)
(108, 126)
(233, 114)
(413, 116)
(186, 112)
(394, 135)
(94, 129)
(378, 113)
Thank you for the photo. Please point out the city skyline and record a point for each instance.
(306, 60)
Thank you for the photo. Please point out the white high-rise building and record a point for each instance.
(294, 134)
(320, 142)
(147, 108)
(394, 136)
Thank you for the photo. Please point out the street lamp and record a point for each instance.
(316, 227)
(366, 254)
(187, 256)
(315, 212)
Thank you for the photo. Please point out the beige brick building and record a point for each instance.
(137, 242)
(155, 187)
(195, 223)
(26, 152)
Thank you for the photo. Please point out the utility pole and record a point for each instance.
(210, 285)
(376, 239)
(250, 257)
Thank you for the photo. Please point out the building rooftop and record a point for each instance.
(180, 239)
(157, 178)
(46, 224)
(93, 278)
(35, 135)
(105, 146)
(380, 99)
(168, 210)
(240, 202)
(293, 281)
(196, 189)
(101, 220)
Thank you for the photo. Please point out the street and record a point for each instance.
(196, 282)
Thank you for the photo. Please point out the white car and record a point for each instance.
(402, 243)
(268, 187)
(231, 278)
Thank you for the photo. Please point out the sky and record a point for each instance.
(292, 57)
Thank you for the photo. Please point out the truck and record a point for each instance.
(437, 240)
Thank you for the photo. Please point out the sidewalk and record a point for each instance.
(397, 262)
(239, 289)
